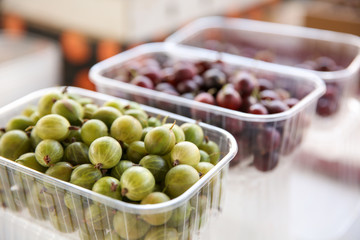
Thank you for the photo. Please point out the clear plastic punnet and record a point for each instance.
(333, 56)
(282, 132)
(31, 195)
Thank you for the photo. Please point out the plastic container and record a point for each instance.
(22, 188)
(27, 63)
(287, 45)
(248, 129)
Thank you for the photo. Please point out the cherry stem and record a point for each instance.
(124, 191)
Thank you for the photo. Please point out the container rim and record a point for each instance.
(280, 29)
(126, 207)
(196, 53)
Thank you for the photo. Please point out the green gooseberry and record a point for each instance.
(120, 168)
(34, 138)
(60, 170)
(115, 103)
(74, 136)
(62, 221)
(179, 179)
(140, 115)
(136, 183)
(112, 236)
(85, 175)
(156, 219)
(49, 152)
(98, 217)
(153, 122)
(35, 210)
(93, 129)
(77, 153)
(20, 122)
(35, 117)
(29, 110)
(159, 233)
(44, 196)
(203, 168)
(73, 202)
(156, 165)
(84, 101)
(107, 115)
(180, 216)
(69, 109)
(29, 160)
(179, 133)
(14, 143)
(126, 129)
(108, 186)
(128, 226)
(105, 152)
(132, 105)
(193, 133)
(136, 151)
(185, 153)
(144, 132)
(53, 126)
(212, 149)
(87, 233)
(200, 203)
(47, 101)
(204, 156)
(159, 141)
(89, 110)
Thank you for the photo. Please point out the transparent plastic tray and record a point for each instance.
(284, 44)
(246, 128)
(27, 191)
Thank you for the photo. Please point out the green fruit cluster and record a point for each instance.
(114, 149)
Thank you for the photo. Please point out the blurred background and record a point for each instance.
(45, 43)
(75, 34)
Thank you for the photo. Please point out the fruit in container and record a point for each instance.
(29, 160)
(193, 133)
(93, 129)
(77, 153)
(19, 122)
(85, 175)
(156, 219)
(107, 115)
(105, 152)
(49, 152)
(108, 186)
(159, 233)
(185, 153)
(69, 109)
(136, 183)
(129, 226)
(126, 129)
(136, 151)
(60, 170)
(156, 165)
(160, 140)
(13, 144)
(179, 179)
(120, 168)
(53, 127)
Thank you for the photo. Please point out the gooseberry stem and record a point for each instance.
(124, 191)
(164, 120)
(98, 165)
(74, 128)
(113, 187)
(28, 129)
(47, 159)
(2, 130)
(173, 125)
(206, 139)
(65, 90)
(176, 162)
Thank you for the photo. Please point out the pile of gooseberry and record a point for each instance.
(113, 149)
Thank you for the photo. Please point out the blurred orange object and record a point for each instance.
(106, 49)
(75, 47)
(82, 79)
(14, 23)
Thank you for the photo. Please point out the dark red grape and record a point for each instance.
(269, 95)
(228, 97)
(247, 102)
(258, 109)
(142, 81)
(167, 75)
(187, 86)
(265, 84)
(266, 162)
(275, 106)
(290, 102)
(267, 140)
(184, 71)
(152, 72)
(214, 78)
(244, 83)
(205, 97)
(202, 66)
